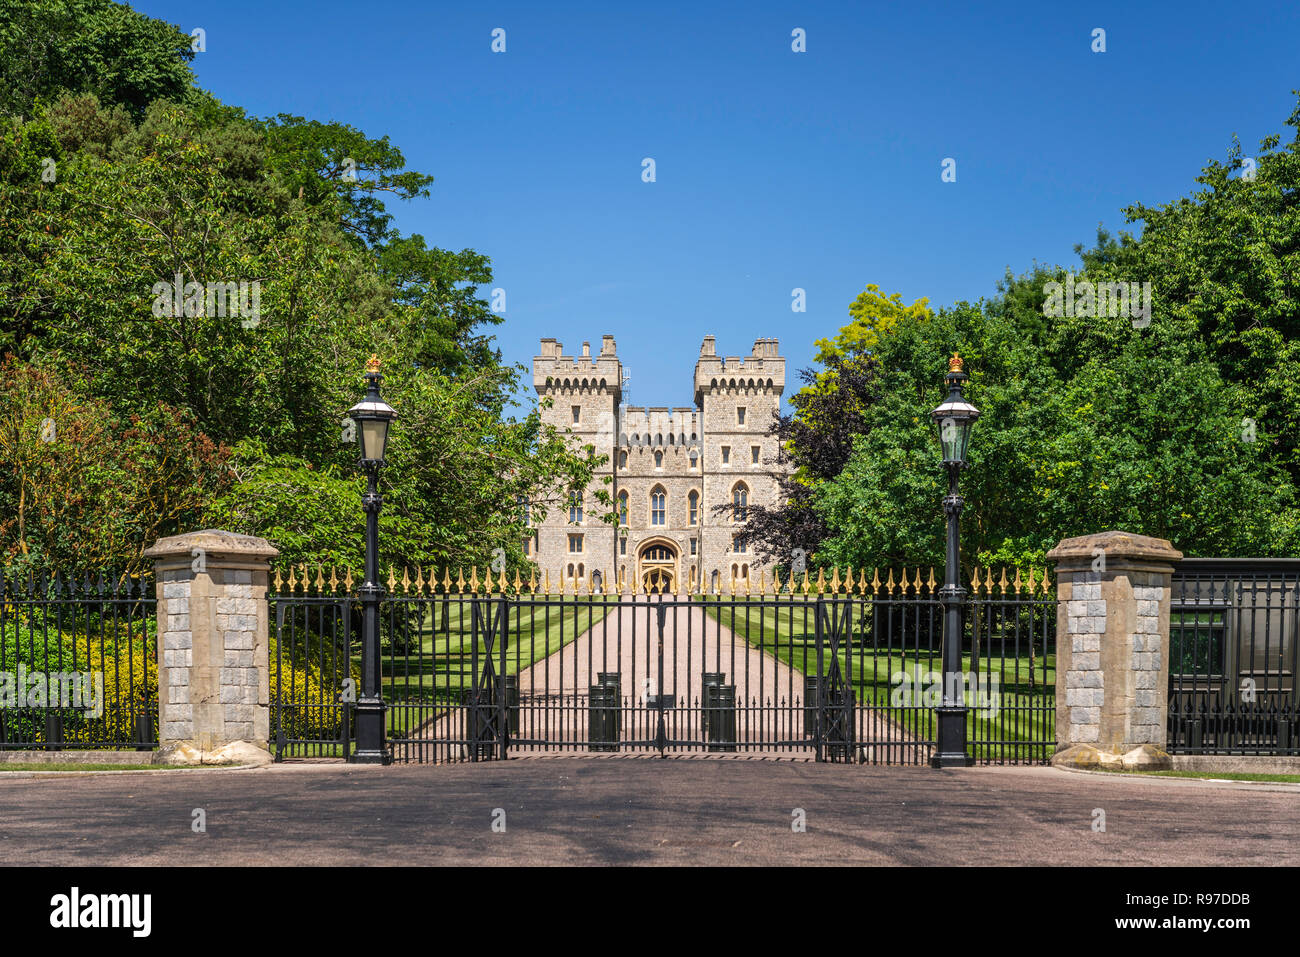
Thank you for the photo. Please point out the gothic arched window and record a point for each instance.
(739, 502)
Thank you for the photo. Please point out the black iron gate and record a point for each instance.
(841, 671)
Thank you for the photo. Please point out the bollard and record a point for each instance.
(810, 705)
(724, 720)
(709, 699)
(612, 681)
(512, 704)
(602, 717)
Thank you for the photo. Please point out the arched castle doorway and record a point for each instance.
(658, 561)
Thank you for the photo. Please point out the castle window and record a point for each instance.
(695, 460)
(695, 546)
(693, 510)
(738, 545)
(739, 502)
(658, 505)
(575, 544)
(753, 454)
(622, 460)
(726, 455)
(575, 508)
(622, 546)
(622, 508)
(577, 414)
(528, 547)
(659, 460)
(740, 415)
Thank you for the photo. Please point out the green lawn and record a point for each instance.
(1025, 713)
(438, 663)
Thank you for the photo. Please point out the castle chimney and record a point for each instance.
(607, 345)
(706, 349)
(586, 350)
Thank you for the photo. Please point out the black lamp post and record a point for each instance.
(372, 416)
(954, 419)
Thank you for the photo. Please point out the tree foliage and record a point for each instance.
(132, 206)
(1183, 427)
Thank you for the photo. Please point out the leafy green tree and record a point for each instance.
(49, 47)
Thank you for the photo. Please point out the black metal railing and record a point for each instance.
(1233, 657)
(845, 669)
(78, 662)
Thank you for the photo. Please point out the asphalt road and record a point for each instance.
(603, 810)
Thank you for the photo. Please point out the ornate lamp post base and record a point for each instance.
(370, 734)
(951, 752)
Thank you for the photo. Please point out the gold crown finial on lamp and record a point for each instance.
(954, 364)
(373, 364)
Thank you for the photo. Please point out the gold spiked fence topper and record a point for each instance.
(984, 583)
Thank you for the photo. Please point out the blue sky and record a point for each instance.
(774, 169)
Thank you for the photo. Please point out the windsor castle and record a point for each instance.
(669, 470)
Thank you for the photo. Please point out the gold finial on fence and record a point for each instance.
(875, 580)
(546, 581)
(320, 577)
(762, 582)
(292, 580)
(519, 589)
(334, 581)
(446, 581)
(1047, 582)
(460, 580)
(776, 581)
(347, 580)
(931, 582)
(278, 580)
(975, 580)
(807, 586)
(532, 580)
(1003, 583)
(1019, 585)
(889, 584)
(821, 581)
(835, 580)
(406, 580)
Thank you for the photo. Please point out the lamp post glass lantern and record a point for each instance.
(954, 418)
(373, 416)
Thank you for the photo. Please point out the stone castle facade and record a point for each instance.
(668, 470)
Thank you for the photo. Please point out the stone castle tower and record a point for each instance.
(668, 469)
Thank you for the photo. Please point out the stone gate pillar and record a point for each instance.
(213, 649)
(1112, 649)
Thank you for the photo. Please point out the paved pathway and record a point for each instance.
(573, 811)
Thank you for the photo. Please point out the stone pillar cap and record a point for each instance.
(212, 540)
(1115, 544)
